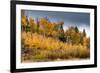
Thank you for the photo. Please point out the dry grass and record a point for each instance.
(38, 48)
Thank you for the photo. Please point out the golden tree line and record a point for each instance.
(44, 40)
(55, 29)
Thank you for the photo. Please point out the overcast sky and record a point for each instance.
(81, 20)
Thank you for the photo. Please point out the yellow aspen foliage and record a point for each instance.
(24, 21)
(31, 21)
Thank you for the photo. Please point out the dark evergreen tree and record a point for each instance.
(37, 25)
(61, 32)
(84, 33)
(76, 29)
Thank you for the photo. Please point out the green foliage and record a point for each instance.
(73, 35)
